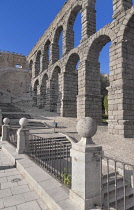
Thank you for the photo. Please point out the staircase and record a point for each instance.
(120, 193)
(12, 112)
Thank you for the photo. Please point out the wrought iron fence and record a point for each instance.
(53, 155)
(117, 180)
(12, 134)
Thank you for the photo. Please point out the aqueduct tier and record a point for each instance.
(57, 83)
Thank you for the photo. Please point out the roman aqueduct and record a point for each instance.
(58, 86)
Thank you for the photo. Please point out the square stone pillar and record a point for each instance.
(86, 171)
(22, 140)
(23, 137)
(86, 176)
(121, 5)
(5, 127)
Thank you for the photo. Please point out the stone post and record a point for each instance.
(5, 133)
(23, 137)
(85, 191)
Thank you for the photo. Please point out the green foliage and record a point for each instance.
(106, 103)
(104, 118)
(66, 178)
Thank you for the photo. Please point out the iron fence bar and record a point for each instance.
(52, 157)
(50, 154)
(67, 159)
(116, 204)
(132, 181)
(45, 153)
(60, 160)
(63, 162)
(57, 158)
(124, 186)
(115, 160)
(42, 155)
(108, 183)
(101, 184)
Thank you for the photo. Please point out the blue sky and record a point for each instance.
(24, 21)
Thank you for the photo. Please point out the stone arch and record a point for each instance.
(43, 90)
(93, 99)
(126, 82)
(126, 23)
(56, 47)
(56, 94)
(46, 55)
(35, 92)
(71, 62)
(71, 86)
(37, 63)
(69, 34)
(31, 65)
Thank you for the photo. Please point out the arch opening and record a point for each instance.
(37, 63)
(71, 86)
(31, 65)
(77, 30)
(104, 10)
(58, 39)
(95, 84)
(56, 90)
(35, 93)
(46, 55)
(43, 91)
(73, 33)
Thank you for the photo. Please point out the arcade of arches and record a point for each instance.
(70, 84)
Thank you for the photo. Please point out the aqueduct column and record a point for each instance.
(121, 5)
(121, 90)
(88, 19)
(89, 97)
(36, 95)
(54, 52)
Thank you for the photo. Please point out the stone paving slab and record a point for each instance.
(15, 191)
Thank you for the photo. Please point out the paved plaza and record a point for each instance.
(15, 191)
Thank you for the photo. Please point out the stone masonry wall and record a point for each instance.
(15, 78)
(80, 94)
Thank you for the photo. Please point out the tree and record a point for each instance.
(104, 84)
(104, 92)
(106, 104)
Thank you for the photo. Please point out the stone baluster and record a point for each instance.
(85, 191)
(23, 137)
(5, 133)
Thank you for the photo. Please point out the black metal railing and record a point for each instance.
(12, 136)
(53, 155)
(117, 179)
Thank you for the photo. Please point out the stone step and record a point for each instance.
(129, 204)
(120, 197)
(16, 116)
(120, 191)
(112, 179)
(6, 107)
(112, 187)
